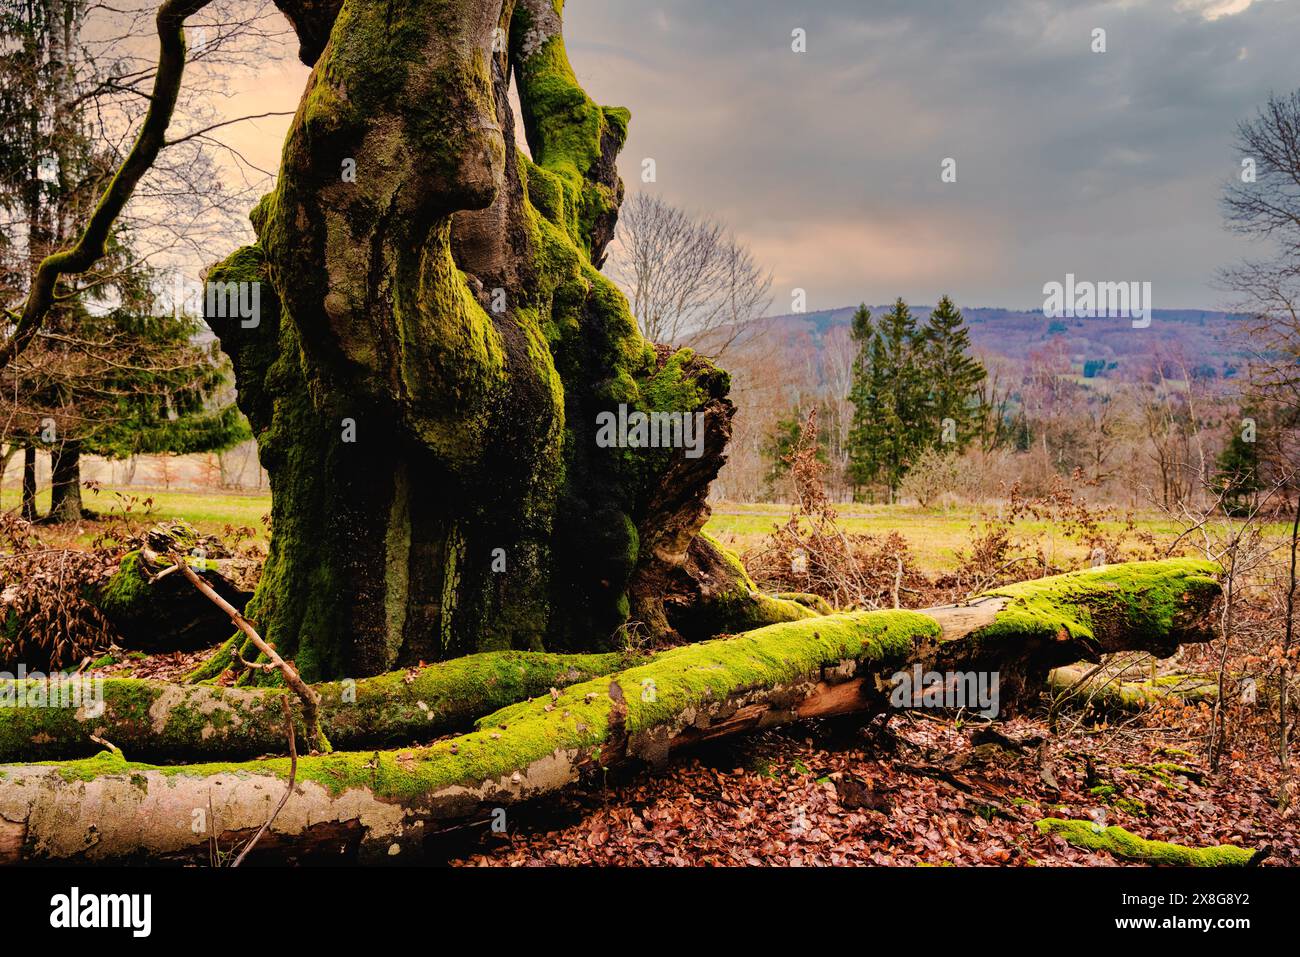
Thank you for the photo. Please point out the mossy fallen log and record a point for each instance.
(161, 721)
(1123, 844)
(382, 804)
(1108, 692)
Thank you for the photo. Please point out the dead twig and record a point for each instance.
(293, 772)
(310, 699)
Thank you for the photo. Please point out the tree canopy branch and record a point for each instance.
(91, 246)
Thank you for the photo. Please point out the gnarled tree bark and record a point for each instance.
(434, 345)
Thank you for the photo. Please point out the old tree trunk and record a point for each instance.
(433, 346)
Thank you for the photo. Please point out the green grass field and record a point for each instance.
(208, 511)
(935, 535)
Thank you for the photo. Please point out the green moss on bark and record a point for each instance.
(578, 721)
(1090, 604)
(164, 721)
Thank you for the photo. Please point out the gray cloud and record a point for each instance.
(1106, 165)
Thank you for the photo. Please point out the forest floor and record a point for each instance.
(819, 794)
(926, 791)
(919, 792)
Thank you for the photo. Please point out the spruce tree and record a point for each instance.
(107, 377)
(953, 377)
(1238, 479)
(864, 435)
(901, 393)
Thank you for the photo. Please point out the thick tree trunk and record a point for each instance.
(65, 483)
(382, 804)
(434, 346)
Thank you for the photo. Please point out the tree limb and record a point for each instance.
(91, 246)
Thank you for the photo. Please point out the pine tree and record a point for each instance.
(1238, 479)
(906, 382)
(953, 376)
(888, 395)
(863, 447)
(896, 357)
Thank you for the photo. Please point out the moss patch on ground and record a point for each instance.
(1121, 843)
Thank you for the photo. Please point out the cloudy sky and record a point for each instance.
(827, 163)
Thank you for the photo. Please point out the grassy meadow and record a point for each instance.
(935, 535)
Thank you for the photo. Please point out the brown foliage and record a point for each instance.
(811, 553)
(45, 619)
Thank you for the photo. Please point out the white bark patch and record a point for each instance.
(116, 815)
(543, 24)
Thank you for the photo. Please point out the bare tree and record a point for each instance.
(1265, 204)
(689, 281)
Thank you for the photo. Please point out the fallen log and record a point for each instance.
(383, 804)
(1084, 686)
(162, 721)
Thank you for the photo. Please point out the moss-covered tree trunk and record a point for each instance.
(434, 345)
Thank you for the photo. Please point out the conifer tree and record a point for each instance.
(864, 433)
(106, 376)
(1238, 477)
(953, 376)
(906, 382)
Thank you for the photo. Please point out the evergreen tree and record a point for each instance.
(863, 440)
(1237, 476)
(906, 382)
(954, 377)
(897, 356)
(106, 377)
